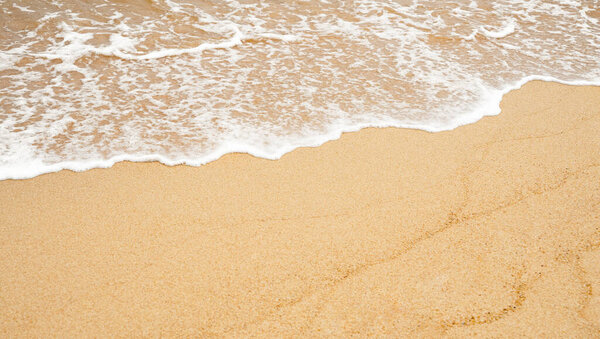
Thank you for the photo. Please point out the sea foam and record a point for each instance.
(184, 83)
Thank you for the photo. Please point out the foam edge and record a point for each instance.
(489, 107)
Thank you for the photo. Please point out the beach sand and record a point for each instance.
(489, 229)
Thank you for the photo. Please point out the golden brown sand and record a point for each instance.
(489, 229)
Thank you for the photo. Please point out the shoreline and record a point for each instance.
(487, 229)
(490, 108)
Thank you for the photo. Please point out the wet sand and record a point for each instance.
(491, 229)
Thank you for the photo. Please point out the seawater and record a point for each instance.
(87, 83)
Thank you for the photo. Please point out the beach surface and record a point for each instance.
(491, 229)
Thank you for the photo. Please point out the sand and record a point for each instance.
(491, 229)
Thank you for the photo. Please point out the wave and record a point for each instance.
(186, 82)
(490, 108)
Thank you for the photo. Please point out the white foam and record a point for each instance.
(116, 15)
(502, 33)
(20, 167)
(235, 40)
(174, 6)
(75, 45)
(282, 37)
(7, 60)
(23, 8)
(319, 72)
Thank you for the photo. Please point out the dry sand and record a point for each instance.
(489, 229)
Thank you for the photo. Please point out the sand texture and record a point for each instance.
(491, 229)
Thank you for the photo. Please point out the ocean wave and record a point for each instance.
(186, 82)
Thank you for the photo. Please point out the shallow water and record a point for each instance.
(84, 84)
